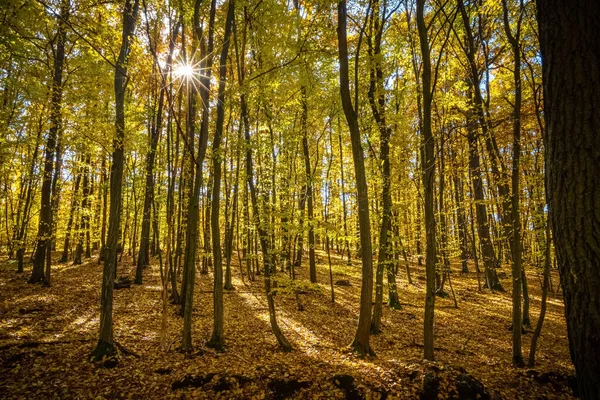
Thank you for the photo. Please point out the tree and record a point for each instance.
(517, 267)
(427, 170)
(105, 342)
(191, 234)
(361, 339)
(42, 257)
(217, 340)
(376, 96)
(570, 49)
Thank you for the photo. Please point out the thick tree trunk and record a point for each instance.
(569, 32)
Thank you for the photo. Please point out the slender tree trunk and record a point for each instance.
(361, 339)
(344, 203)
(309, 190)
(442, 219)
(193, 201)
(42, 258)
(459, 198)
(102, 252)
(545, 286)
(22, 222)
(105, 342)
(515, 237)
(56, 186)
(483, 228)
(428, 169)
(217, 341)
(376, 96)
(84, 213)
(394, 301)
(229, 233)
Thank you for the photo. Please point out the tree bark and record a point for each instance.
(570, 48)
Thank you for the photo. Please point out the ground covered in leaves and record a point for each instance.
(47, 334)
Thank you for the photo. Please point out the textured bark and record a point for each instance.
(569, 32)
(361, 339)
(105, 341)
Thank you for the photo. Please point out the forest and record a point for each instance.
(362, 199)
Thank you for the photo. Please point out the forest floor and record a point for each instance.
(47, 334)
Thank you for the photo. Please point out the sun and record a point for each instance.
(184, 71)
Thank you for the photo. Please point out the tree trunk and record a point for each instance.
(545, 285)
(459, 198)
(102, 252)
(428, 169)
(194, 195)
(515, 237)
(83, 225)
(570, 48)
(344, 203)
(45, 231)
(105, 342)
(361, 339)
(22, 222)
(309, 190)
(217, 341)
(376, 96)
